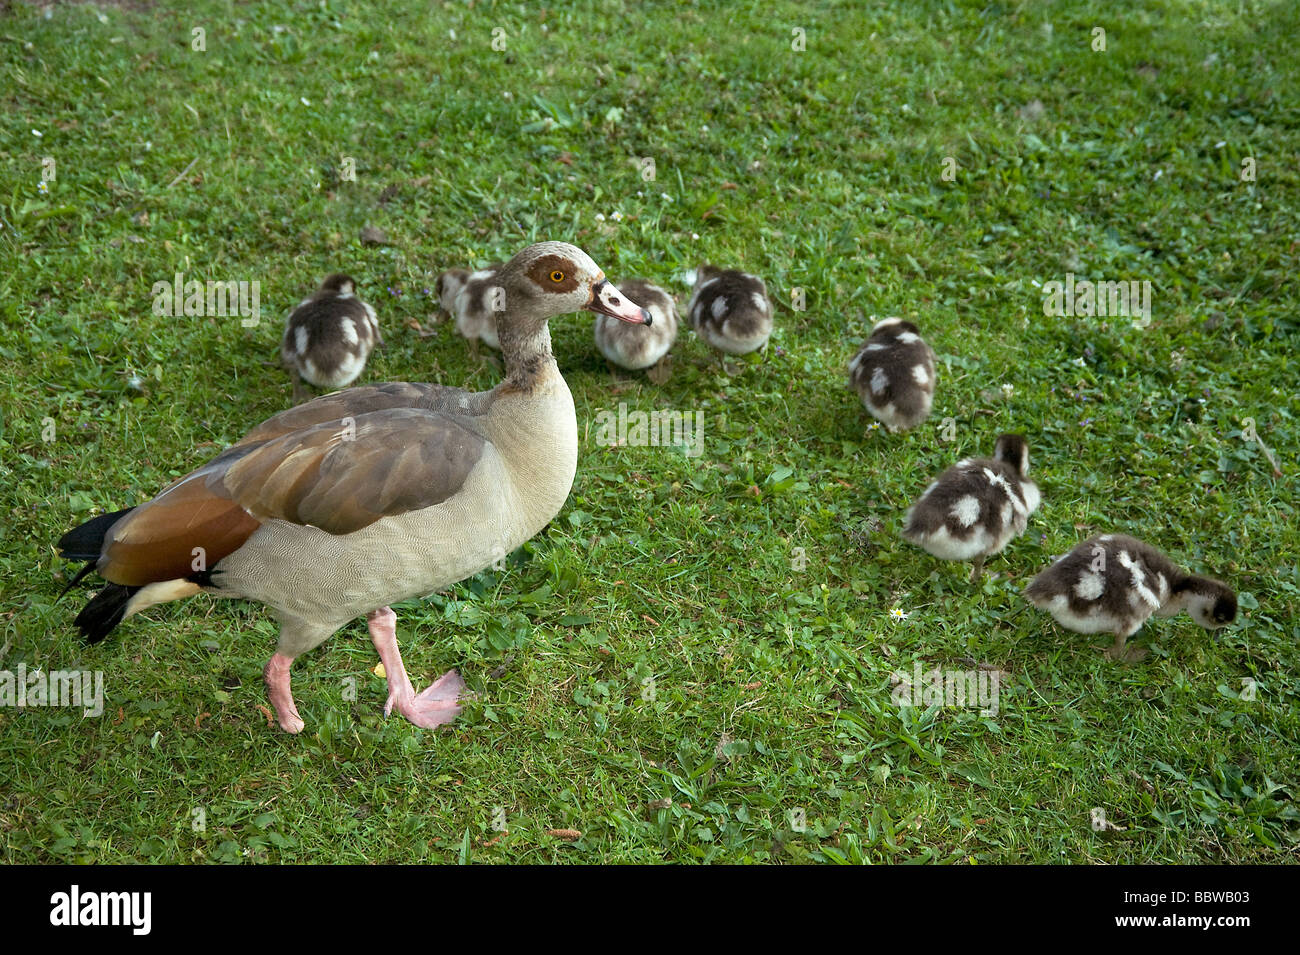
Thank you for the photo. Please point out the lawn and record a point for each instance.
(694, 661)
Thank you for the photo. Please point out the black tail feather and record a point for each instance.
(104, 612)
(107, 608)
(86, 541)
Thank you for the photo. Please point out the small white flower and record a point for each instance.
(43, 187)
(1080, 362)
(1008, 389)
(874, 426)
(1220, 144)
(304, 101)
(898, 613)
(704, 129)
(616, 216)
(695, 235)
(36, 133)
(665, 197)
(600, 217)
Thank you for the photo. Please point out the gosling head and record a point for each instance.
(1013, 451)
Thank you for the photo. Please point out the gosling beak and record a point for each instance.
(608, 300)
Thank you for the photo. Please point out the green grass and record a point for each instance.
(662, 640)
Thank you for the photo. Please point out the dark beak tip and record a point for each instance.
(645, 314)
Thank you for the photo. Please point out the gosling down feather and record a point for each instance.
(977, 506)
(636, 347)
(730, 310)
(329, 336)
(893, 374)
(474, 300)
(1112, 583)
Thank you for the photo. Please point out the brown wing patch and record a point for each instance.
(158, 539)
(343, 478)
(545, 270)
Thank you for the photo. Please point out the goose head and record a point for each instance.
(548, 279)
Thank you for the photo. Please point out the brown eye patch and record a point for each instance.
(554, 273)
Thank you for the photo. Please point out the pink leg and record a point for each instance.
(277, 688)
(437, 704)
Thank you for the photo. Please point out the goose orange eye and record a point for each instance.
(557, 276)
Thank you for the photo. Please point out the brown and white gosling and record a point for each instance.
(730, 310)
(474, 299)
(637, 347)
(1112, 583)
(329, 336)
(893, 374)
(977, 506)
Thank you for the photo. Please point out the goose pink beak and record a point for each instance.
(608, 300)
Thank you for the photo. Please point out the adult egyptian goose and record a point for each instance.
(977, 506)
(1112, 583)
(474, 299)
(636, 347)
(893, 374)
(329, 336)
(356, 500)
(730, 310)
